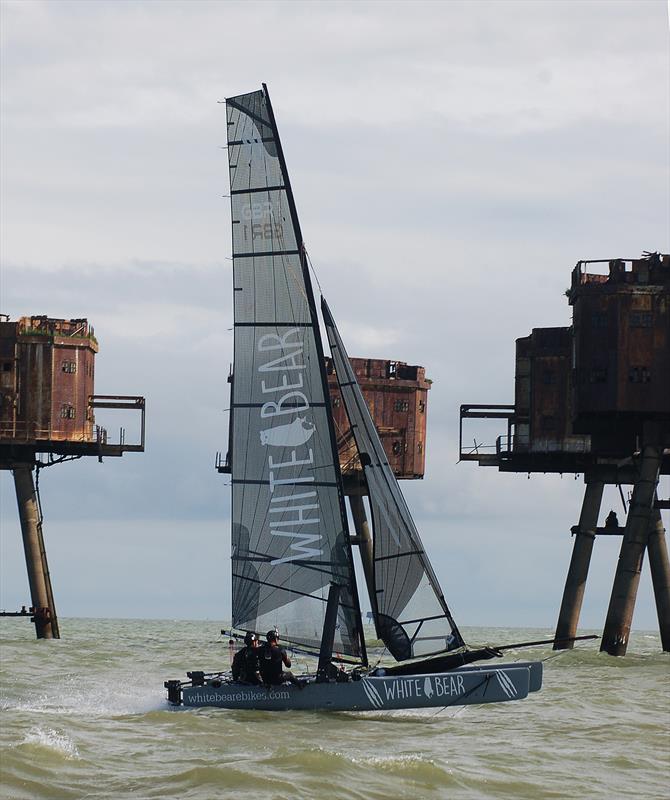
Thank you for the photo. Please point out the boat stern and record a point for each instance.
(174, 692)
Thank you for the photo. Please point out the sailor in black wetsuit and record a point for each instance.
(273, 659)
(245, 666)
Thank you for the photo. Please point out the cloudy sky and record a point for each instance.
(451, 162)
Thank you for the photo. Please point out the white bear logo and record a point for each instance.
(428, 688)
(292, 435)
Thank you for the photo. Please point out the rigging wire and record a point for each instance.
(554, 655)
(313, 270)
(484, 682)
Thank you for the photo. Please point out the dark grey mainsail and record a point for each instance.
(289, 527)
(411, 614)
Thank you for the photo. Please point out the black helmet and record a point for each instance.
(250, 638)
(271, 636)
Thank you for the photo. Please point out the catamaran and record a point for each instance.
(292, 555)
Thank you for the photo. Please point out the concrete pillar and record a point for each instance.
(575, 583)
(635, 538)
(660, 575)
(41, 596)
(364, 542)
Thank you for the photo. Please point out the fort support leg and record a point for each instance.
(573, 594)
(629, 566)
(364, 542)
(660, 575)
(46, 623)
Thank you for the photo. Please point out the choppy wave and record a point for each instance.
(86, 717)
(53, 741)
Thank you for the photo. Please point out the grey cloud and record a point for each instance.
(451, 161)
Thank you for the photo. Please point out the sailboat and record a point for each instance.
(292, 554)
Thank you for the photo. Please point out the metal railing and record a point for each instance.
(26, 431)
(517, 443)
(21, 432)
(222, 463)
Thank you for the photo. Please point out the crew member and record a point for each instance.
(273, 659)
(245, 665)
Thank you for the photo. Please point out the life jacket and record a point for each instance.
(245, 665)
(238, 662)
(271, 662)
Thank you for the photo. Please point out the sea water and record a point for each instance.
(86, 717)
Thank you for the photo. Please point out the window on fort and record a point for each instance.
(7, 366)
(548, 422)
(599, 319)
(639, 375)
(641, 319)
(419, 447)
(422, 407)
(548, 377)
(67, 411)
(336, 402)
(401, 405)
(69, 366)
(396, 448)
(599, 375)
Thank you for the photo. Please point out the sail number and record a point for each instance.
(257, 211)
(262, 230)
(255, 225)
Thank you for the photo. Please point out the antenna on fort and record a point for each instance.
(47, 408)
(594, 398)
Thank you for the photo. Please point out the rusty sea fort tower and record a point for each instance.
(47, 416)
(594, 398)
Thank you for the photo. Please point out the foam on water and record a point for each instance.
(52, 740)
(73, 698)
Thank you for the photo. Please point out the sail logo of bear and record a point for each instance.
(294, 434)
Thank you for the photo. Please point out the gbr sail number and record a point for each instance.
(256, 226)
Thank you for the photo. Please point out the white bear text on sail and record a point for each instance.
(282, 379)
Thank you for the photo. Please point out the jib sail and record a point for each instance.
(411, 614)
(289, 528)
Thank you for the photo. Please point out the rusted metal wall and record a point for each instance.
(8, 378)
(397, 395)
(47, 369)
(606, 375)
(622, 344)
(543, 409)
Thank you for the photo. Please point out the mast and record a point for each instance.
(290, 535)
(322, 369)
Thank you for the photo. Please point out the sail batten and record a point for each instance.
(287, 504)
(411, 614)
